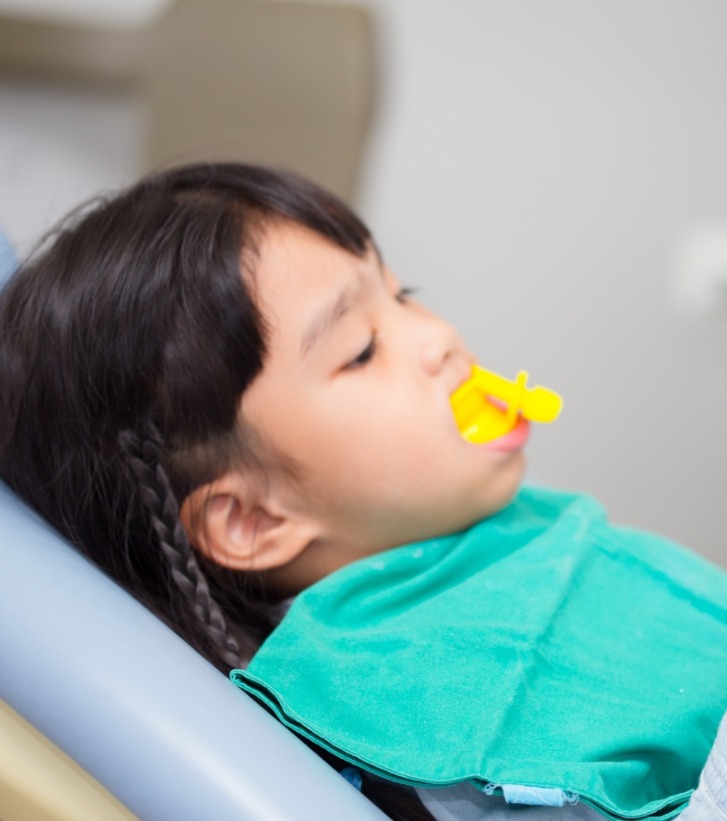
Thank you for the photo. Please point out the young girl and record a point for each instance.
(213, 386)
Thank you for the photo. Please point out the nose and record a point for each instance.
(439, 342)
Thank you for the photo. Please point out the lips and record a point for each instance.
(513, 440)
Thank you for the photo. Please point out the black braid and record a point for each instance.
(162, 508)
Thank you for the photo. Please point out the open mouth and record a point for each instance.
(488, 407)
(480, 417)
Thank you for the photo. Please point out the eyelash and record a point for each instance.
(368, 353)
(404, 293)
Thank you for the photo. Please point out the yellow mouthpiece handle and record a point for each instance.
(479, 419)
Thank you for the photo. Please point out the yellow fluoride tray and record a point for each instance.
(487, 405)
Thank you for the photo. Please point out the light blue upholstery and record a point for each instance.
(134, 705)
(8, 261)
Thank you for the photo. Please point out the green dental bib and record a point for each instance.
(542, 647)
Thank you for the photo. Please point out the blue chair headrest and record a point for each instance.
(8, 260)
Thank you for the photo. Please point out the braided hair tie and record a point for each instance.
(162, 507)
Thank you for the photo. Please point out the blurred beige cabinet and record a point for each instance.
(284, 83)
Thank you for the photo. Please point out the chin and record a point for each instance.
(507, 487)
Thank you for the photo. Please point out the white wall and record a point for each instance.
(59, 147)
(532, 169)
(130, 13)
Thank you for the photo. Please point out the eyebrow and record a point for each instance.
(325, 319)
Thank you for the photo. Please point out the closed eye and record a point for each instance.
(366, 355)
(370, 351)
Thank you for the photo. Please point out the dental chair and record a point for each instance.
(106, 714)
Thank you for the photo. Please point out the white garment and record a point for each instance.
(463, 802)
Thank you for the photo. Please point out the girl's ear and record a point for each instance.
(233, 527)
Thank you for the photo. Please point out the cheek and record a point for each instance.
(358, 459)
(404, 440)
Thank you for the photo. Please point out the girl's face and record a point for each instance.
(355, 393)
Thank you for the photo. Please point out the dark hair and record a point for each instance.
(126, 342)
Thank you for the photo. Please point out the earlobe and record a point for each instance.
(228, 523)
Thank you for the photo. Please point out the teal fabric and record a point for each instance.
(543, 647)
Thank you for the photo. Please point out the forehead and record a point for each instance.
(299, 272)
(291, 256)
